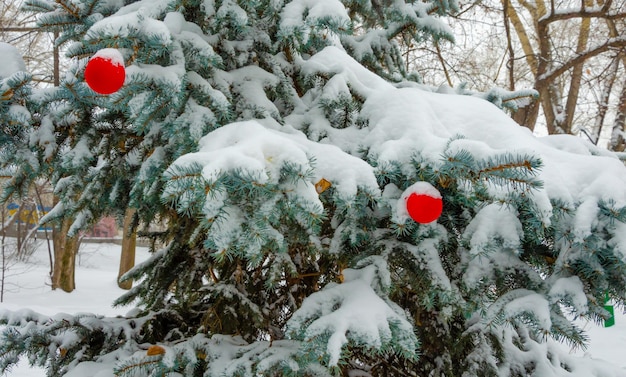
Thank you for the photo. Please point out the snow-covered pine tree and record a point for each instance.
(277, 140)
(15, 120)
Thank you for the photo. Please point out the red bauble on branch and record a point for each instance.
(422, 202)
(105, 72)
(424, 209)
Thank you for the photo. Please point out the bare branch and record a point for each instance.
(530, 7)
(524, 38)
(18, 29)
(511, 51)
(613, 43)
(607, 5)
(443, 64)
(597, 13)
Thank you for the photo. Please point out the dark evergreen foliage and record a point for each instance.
(259, 273)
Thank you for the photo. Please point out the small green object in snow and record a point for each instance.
(609, 308)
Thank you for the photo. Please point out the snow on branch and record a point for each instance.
(521, 302)
(264, 150)
(352, 312)
(612, 43)
(568, 14)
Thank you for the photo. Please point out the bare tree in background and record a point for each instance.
(129, 244)
(18, 240)
(42, 60)
(6, 260)
(18, 232)
(564, 49)
(19, 29)
(618, 136)
(559, 42)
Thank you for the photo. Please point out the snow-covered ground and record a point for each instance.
(96, 287)
(28, 287)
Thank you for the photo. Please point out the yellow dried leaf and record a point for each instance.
(322, 186)
(7, 95)
(155, 350)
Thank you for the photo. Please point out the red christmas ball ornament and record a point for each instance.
(105, 72)
(423, 208)
(424, 203)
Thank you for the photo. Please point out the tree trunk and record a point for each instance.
(524, 39)
(129, 242)
(525, 116)
(577, 73)
(603, 105)
(548, 73)
(65, 251)
(618, 141)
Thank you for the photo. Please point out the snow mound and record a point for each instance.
(262, 148)
(402, 123)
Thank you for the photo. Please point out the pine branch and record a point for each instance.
(526, 164)
(69, 8)
(131, 367)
